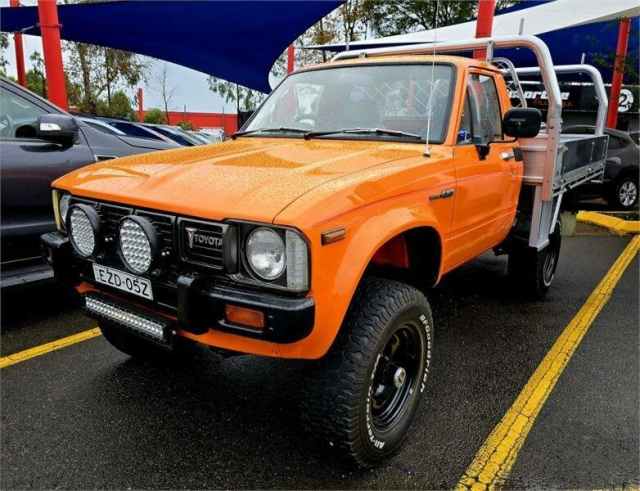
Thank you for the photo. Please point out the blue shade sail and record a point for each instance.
(235, 40)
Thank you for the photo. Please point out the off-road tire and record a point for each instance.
(136, 346)
(624, 193)
(533, 271)
(338, 398)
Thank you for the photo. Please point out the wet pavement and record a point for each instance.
(88, 416)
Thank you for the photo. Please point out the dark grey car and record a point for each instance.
(30, 160)
(620, 185)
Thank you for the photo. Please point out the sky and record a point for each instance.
(191, 87)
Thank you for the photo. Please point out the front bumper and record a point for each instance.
(200, 301)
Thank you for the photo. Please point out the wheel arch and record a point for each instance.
(413, 256)
(332, 308)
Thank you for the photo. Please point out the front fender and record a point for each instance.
(337, 268)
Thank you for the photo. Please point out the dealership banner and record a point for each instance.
(578, 97)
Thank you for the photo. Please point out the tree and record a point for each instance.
(155, 116)
(36, 80)
(166, 92)
(391, 17)
(4, 44)
(99, 72)
(186, 125)
(244, 98)
(120, 106)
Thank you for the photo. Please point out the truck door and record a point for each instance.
(488, 178)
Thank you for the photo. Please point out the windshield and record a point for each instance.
(390, 97)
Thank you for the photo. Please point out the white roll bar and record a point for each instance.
(598, 84)
(545, 63)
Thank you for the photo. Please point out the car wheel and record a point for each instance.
(625, 195)
(361, 398)
(533, 271)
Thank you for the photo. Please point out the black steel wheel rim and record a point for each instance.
(396, 376)
(549, 266)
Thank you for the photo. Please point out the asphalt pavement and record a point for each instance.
(88, 416)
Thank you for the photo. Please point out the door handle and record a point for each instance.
(444, 194)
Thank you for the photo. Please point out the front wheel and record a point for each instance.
(361, 398)
(533, 271)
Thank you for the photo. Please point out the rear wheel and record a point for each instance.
(361, 398)
(135, 346)
(534, 271)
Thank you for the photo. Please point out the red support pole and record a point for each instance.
(50, 32)
(618, 72)
(291, 58)
(140, 106)
(484, 24)
(17, 39)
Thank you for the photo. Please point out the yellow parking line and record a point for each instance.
(494, 460)
(616, 225)
(27, 354)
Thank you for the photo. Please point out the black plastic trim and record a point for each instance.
(287, 319)
(58, 252)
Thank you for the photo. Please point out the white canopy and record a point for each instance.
(546, 17)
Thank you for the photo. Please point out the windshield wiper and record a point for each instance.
(375, 131)
(282, 129)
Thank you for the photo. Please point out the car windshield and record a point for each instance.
(373, 98)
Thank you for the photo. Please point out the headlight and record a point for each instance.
(138, 243)
(60, 208)
(277, 256)
(64, 207)
(83, 226)
(266, 253)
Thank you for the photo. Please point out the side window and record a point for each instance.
(466, 128)
(18, 116)
(486, 117)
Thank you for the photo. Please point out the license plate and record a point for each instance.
(123, 281)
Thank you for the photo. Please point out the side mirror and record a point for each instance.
(58, 128)
(522, 122)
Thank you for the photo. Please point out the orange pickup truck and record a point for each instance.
(316, 230)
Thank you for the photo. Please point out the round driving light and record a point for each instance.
(138, 243)
(64, 207)
(266, 253)
(83, 225)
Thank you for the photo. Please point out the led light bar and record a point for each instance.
(142, 324)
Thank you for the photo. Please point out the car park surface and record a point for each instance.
(89, 416)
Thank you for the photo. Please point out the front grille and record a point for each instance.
(172, 252)
(110, 216)
(201, 243)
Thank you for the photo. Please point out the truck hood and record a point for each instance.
(250, 178)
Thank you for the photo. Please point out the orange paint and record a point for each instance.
(374, 190)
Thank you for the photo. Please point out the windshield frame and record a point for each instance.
(369, 137)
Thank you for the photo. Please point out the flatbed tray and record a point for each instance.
(580, 158)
